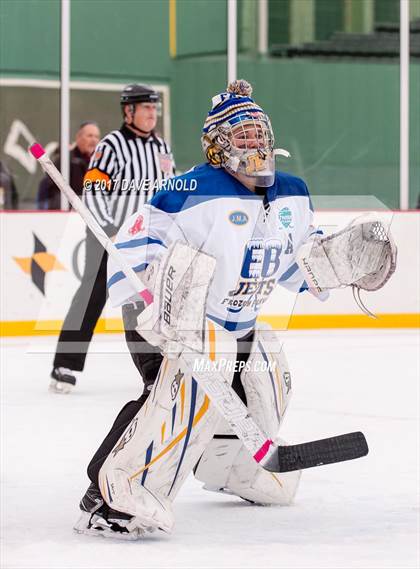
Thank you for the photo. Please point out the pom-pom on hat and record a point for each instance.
(237, 135)
(232, 103)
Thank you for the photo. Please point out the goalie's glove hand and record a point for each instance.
(362, 255)
(383, 254)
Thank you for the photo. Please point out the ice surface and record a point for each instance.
(356, 514)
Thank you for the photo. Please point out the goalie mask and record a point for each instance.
(237, 135)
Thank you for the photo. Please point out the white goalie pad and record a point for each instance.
(225, 463)
(147, 467)
(180, 292)
(363, 255)
(267, 380)
(227, 466)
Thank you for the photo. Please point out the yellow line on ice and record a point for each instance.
(278, 322)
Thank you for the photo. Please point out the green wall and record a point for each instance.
(329, 18)
(209, 36)
(340, 121)
(114, 39)
(278, 27)
(29, 37)
(387, 11)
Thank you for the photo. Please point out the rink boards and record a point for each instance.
(42, 256)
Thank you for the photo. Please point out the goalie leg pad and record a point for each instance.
(147, 467)
(267, 381)
(226, 464)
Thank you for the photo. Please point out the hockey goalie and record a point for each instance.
(210, 248)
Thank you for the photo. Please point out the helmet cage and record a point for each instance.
(243, 144)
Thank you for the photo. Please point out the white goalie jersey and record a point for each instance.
(254, 241)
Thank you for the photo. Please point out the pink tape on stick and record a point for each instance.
(36, 150)
(260, 454)
(147, 296)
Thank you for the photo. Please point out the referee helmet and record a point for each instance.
(136, 93)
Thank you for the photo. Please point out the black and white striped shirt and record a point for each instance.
(125, 171)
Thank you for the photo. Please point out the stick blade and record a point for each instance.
(317, 453)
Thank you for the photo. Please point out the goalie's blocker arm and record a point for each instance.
(180, 283)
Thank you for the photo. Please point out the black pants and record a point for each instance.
(85, 309)
(147, 360)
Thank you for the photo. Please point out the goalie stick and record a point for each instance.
(271, 457)
(48, 166)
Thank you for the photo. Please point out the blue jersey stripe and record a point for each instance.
(184, 202)
(218, 184)
(139, 243)
(116, 277)
(290, 271)
(233, 326)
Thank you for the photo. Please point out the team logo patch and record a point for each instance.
(98, 155)
(176, 384)
(285, 216)
(166, 163)
(287, 380)
(137, 226)
(238, 218)
(128, 435)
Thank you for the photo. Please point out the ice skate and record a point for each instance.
(98, 519)
(100, 524)
(62, 380)
(92, 500)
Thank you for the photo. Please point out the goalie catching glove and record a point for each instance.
(363, 255)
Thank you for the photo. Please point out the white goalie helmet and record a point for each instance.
(237, 135)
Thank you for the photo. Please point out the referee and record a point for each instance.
(124, 172)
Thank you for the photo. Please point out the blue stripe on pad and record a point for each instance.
(189, 429)
(147, 461)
